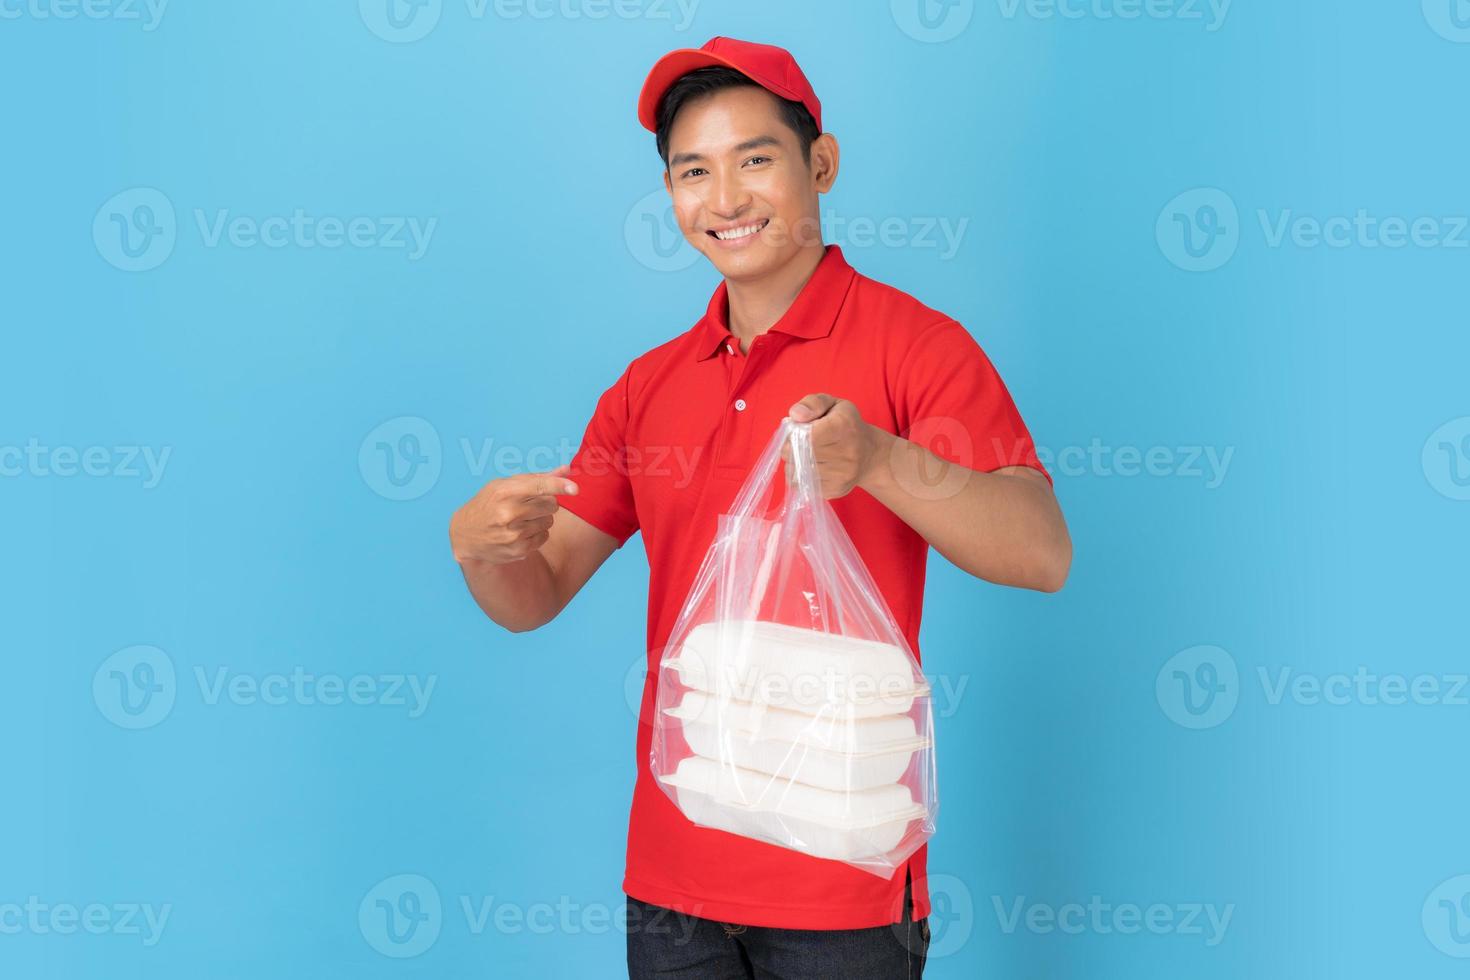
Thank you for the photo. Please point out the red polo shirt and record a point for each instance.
(666, 451)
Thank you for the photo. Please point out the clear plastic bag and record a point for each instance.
(790, 708)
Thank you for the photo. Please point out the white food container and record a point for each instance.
(853, 826)
(832, 751)
(799, 669)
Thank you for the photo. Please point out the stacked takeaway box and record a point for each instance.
(811, 740)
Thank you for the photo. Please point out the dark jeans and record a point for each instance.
(672, 946)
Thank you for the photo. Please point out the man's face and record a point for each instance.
(736, 169)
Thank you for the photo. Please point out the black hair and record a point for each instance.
(703, 81)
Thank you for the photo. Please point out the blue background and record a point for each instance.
(1334, 540)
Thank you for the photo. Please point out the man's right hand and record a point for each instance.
(509, 518)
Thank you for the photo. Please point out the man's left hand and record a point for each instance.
(846, 448)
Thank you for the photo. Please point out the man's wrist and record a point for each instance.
(877, 476)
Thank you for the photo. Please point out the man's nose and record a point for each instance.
(730, 196)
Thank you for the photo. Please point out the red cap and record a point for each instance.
(768, 66)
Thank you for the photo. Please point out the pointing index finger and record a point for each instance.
(551, 484)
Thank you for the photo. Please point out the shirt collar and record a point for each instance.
(810, 316)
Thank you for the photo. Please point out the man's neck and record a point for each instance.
(756, 305)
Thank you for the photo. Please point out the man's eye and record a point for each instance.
(691, 172)
(756, 159)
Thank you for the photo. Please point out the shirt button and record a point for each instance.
(729, 349)
(740, 404)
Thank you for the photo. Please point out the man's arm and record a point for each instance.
(1004, 526)
(522, 556)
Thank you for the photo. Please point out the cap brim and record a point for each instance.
(668, 70)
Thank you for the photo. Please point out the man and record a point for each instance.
(917, 444)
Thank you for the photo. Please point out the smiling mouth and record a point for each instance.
(744, 231)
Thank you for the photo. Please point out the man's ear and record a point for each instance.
(825, 156)
(668, 184)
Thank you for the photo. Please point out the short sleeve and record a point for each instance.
(604, 495)
(949, 399)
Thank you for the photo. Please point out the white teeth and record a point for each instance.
(734, 233)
